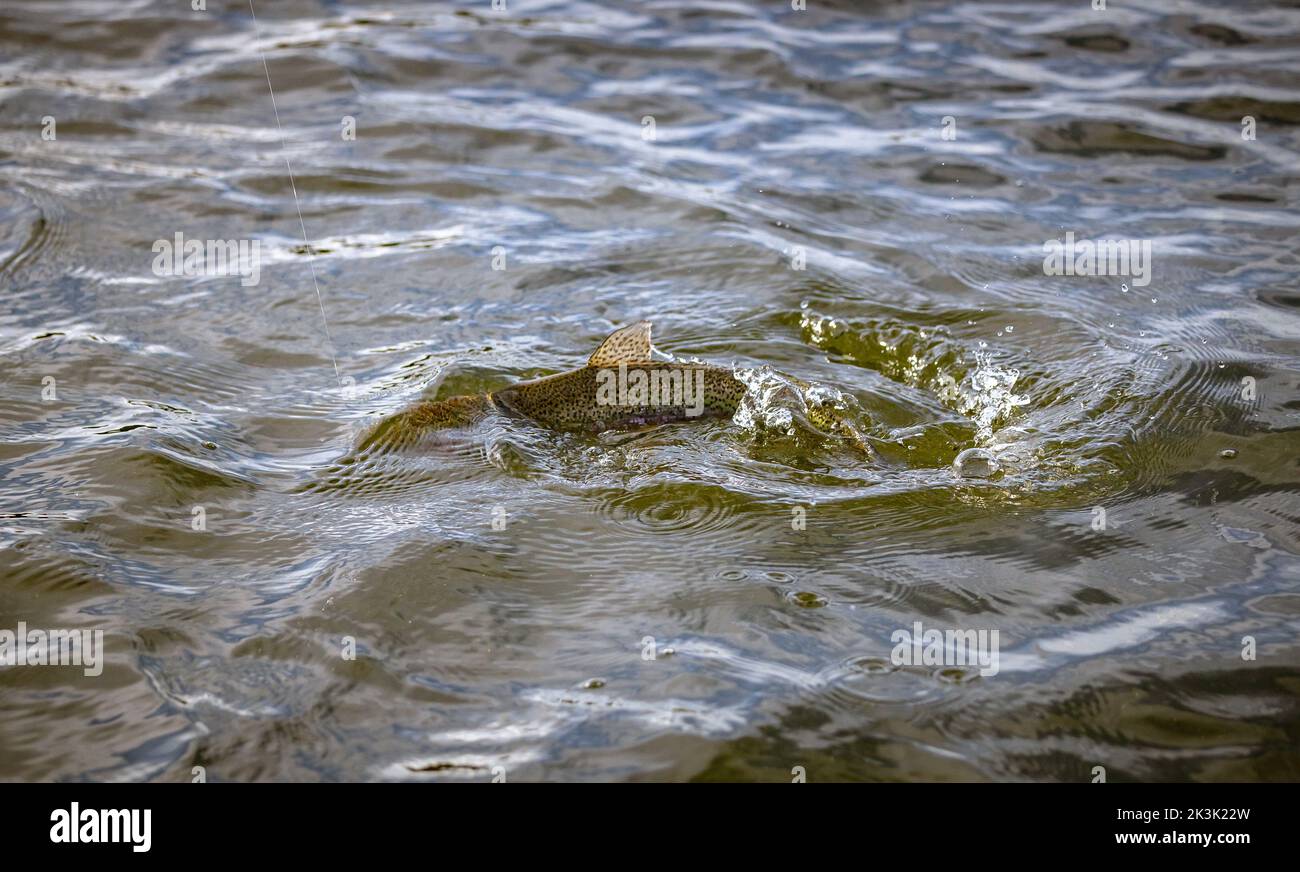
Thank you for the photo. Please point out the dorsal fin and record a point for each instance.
(630, 344)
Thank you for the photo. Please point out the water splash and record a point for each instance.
(987, 396)
(775, 403)
(771, 402)
(929, 359)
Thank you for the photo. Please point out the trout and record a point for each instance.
(622, 386)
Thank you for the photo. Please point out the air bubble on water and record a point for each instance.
(976, 463)
(1123, 289)
(1010, 327)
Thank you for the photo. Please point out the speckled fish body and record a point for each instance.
(621, 387)
(595, 399)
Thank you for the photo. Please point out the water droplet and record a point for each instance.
(808, 599)
(1010, 328)
(873, 665)
(1123, 289)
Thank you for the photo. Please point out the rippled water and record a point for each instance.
(171, 445)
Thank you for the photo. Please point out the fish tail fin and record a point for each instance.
(406, 427)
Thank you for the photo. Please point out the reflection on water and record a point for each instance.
(849, 204)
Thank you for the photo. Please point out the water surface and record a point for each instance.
(505, 586)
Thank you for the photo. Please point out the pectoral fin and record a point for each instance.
(630, 344)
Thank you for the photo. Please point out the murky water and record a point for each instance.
(520, 183)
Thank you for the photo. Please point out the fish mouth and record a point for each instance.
(502, 401)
